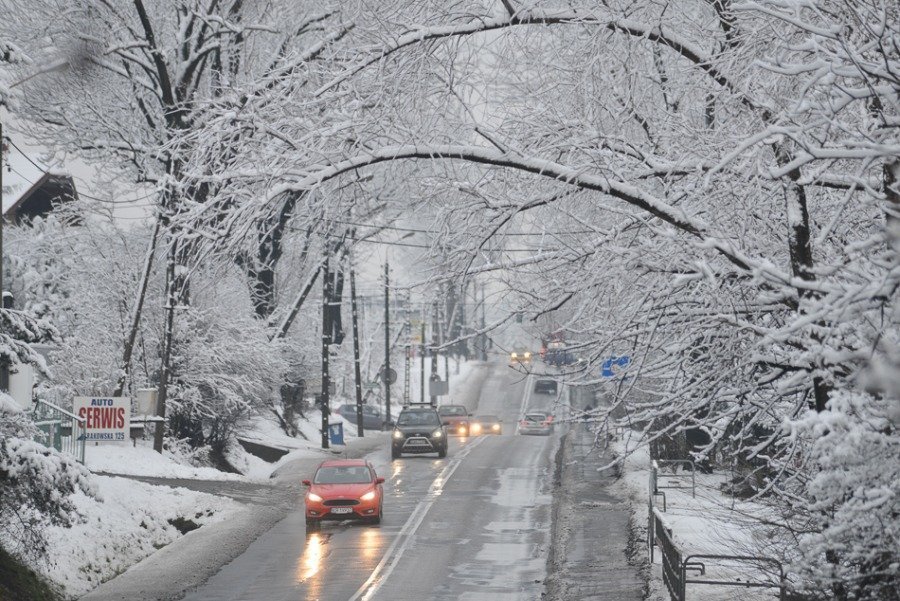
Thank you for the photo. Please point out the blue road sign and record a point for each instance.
(609, 366)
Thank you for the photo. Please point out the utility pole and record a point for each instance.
(406, 368)
(326, 343)
(434, 346)
(484, 355)
(356, 371)
(422, 364)
(2, 149)
(387, 341)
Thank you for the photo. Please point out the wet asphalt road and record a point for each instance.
(475, 525)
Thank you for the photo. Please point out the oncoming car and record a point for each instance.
(456, 418)
(535, 422)
(486, 424)
(344, 489)
(520, 358)
(418, 430)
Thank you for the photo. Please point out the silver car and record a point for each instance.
(535, 422)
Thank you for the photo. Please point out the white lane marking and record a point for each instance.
(381, 573)
(525, 398)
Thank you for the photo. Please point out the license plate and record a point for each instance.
(341, 510)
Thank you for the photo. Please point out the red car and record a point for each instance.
(344, 489)
(456, 418)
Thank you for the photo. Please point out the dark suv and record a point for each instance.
(418, 430)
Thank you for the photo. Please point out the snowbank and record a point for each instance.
(144, 461)
(130, 521)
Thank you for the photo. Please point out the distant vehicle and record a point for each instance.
(557, 354)
(486, 424)
(373, 418)
(536, 423)
(520, 358)
(456, 418)
(418, 430)
(546, 387)
(344, 489)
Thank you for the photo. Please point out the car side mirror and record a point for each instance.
(379, 480)
(307, 483)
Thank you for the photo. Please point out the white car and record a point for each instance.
(535, 422)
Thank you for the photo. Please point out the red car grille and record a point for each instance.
(340, 502)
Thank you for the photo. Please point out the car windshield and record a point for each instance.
(486, 418)
(345, 474)
(452, 410)
(418, 418)
(535, 417)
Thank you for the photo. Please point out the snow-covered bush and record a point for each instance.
(36, 485)
(225, 369)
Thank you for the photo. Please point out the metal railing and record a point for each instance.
(690, 563)
(60, 429)
(676, 565)
(674, 475)
(672, 572)
(654, 484)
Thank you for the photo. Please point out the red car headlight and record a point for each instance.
(369, 496)
(314, 497)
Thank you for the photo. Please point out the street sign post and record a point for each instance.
(389, 376)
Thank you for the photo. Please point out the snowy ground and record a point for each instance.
(710, 523)
(142, 460)
(130, 521)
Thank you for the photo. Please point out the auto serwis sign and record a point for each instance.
(106, 418)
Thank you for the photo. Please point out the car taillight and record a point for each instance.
(523, 423)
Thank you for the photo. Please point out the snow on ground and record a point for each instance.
(142, 460)
(710, 523)
(130, 522)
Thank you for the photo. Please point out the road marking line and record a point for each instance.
(377, 578)
(525, 398)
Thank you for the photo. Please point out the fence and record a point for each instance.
(676, 565)
(60, 429)
(684, 462)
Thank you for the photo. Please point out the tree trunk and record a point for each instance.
(137, 312)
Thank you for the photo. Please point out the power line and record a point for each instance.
(413, 245)
(436, 233)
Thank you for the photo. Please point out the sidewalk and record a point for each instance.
(592, 538)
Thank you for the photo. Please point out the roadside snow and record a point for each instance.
(129, 522)
(144, 461)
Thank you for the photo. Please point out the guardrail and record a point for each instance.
(61, 429)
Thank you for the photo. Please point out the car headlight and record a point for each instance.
(368, 496)
(476, 427)
(398, 434)
(514, 356)
(528, 355)
(496, 426)
(314, 497)
(437, 433)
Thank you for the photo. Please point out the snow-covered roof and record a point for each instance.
(22, 174)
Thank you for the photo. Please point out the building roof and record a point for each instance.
(30, 187)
